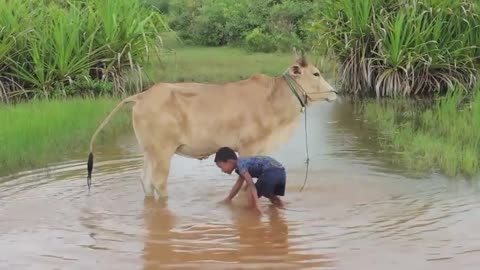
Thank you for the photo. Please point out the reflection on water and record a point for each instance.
(361, 140)
(356, 212)
(242, 238)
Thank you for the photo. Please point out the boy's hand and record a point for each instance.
(253, 192)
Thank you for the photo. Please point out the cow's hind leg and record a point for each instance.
(160, 171)
(147, 176)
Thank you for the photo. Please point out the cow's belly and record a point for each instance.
(194, 152)
(197, 151)
(204, 140)
(201, 145)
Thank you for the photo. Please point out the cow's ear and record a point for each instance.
(295, 70)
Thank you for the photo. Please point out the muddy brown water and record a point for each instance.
(356, 212)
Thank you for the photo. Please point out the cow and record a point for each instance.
(252, 116)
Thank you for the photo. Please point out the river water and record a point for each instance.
(357, 211)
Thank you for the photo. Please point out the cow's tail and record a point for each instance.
(104, 123)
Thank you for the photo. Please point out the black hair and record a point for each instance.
(224, 154)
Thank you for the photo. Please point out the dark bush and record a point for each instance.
(260, 25)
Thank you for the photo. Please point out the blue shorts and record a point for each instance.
(271, 182)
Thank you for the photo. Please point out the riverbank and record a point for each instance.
(36, 133)
(442, 138)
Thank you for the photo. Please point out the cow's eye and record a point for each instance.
(316, 74)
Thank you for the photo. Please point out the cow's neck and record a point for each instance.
(286, 106)
(286, 111)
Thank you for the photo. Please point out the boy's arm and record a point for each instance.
(252, 189)
(234, 189)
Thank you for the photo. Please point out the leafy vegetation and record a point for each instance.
(265, 26)
(47, 47)
(408, 47)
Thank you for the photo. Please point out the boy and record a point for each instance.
(269, 172)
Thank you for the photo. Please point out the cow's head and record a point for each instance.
(310, 80)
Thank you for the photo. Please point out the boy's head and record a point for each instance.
(226, 159)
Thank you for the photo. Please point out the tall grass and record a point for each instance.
(408, 47)
(38, 132)
(443, 137)
(47, 45)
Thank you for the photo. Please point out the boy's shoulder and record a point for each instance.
(256, 163)
(258, 159)
(242, 161)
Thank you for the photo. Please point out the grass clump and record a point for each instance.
(38, 132)
(46, 46)
(442, 137)
(408, 47)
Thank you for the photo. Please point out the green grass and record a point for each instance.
(223, 64)
(36, 133)
(444, 137)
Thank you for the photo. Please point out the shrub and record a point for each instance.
(258, 40)
(285, 42)
(228, 22)
(208, 28)
(409, 47)
(47, 44)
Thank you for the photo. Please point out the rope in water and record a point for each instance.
(304, 104)
(306, 151)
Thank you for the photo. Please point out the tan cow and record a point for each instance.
(251, 116)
